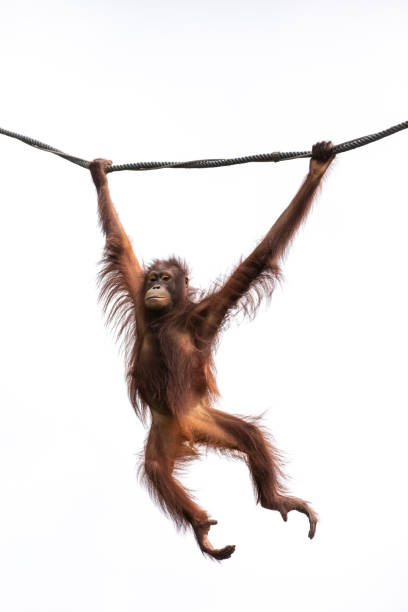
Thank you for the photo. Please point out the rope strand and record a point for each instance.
(210, 163)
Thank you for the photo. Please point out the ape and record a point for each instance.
(170, 336)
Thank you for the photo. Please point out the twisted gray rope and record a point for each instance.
(211, 163)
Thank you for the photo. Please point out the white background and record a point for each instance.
(136, 81)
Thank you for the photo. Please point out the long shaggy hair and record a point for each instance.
(169, 382)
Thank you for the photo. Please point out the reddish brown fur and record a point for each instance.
(170, 358)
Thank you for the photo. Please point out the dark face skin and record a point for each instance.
(162, 287)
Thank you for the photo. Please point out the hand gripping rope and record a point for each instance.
(211, 163)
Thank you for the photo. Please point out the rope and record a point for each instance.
(211, 163)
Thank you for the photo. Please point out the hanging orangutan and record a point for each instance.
(170, 336)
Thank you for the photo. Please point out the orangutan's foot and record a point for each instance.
(201, 533)
(286, 504)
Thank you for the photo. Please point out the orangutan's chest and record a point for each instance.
(167, 349)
